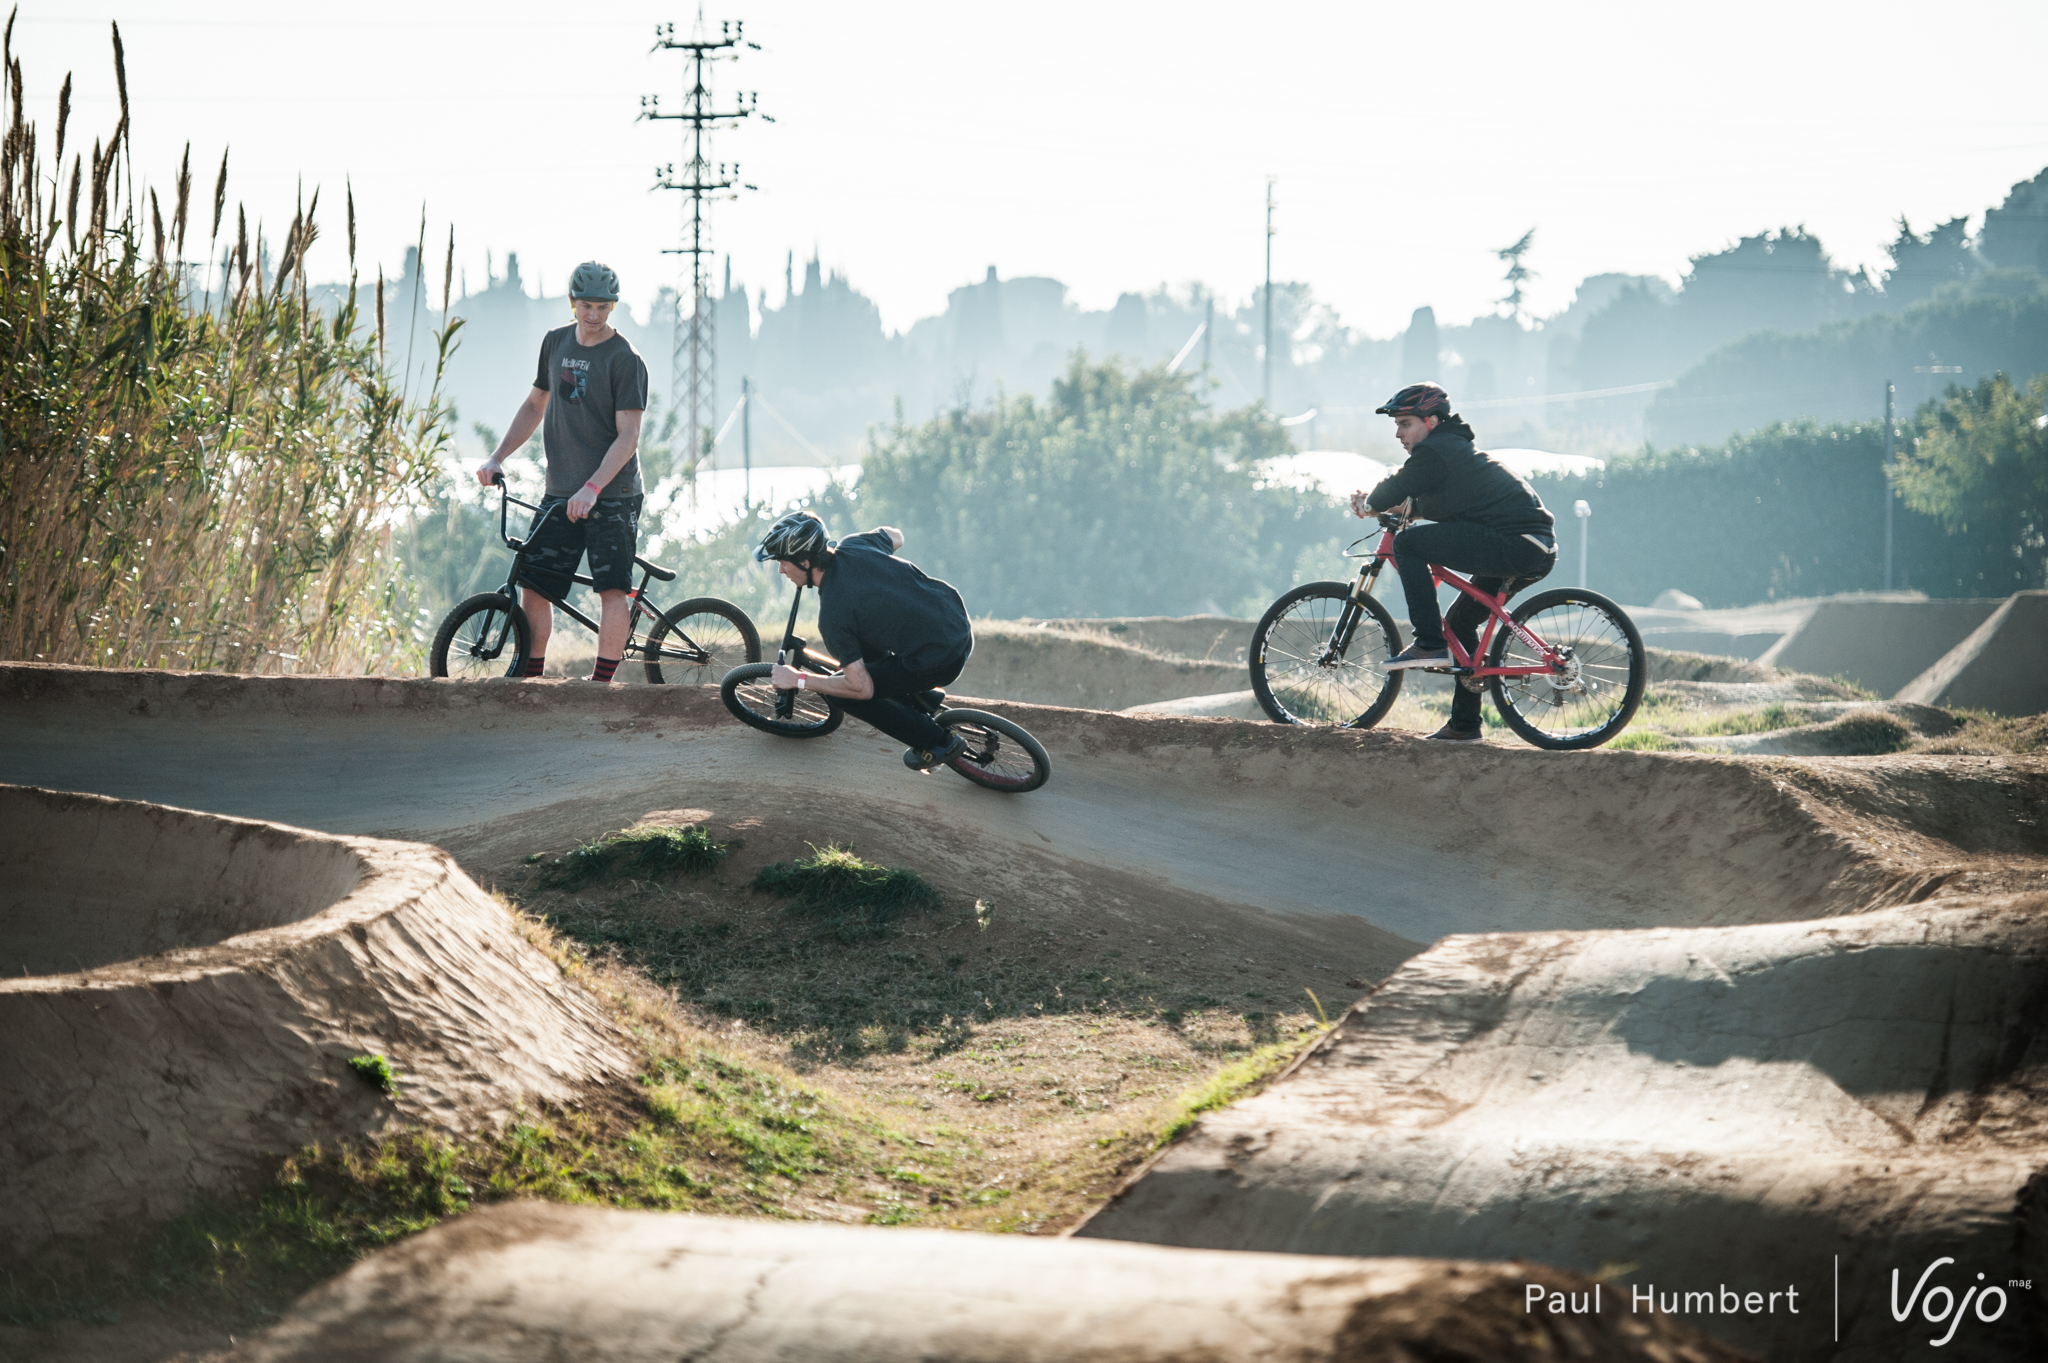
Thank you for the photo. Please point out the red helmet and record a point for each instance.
(1418, 399)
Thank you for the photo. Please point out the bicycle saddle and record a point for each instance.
(931, 702)
(655, 570)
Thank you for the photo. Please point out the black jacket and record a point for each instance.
(1451, 480)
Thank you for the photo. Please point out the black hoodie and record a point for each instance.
(1452, 480)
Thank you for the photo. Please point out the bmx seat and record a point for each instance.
(655, 570)
(931, 702)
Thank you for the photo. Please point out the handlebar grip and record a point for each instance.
(497, 480)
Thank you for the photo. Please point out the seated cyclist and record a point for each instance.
(894, 632)
(1487, 522)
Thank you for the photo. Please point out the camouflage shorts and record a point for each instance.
(609, 534)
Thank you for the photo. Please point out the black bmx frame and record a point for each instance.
(678, 647)
(793, 654)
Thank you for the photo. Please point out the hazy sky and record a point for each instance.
(1114, 146)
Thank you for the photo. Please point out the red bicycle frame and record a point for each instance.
(1467, 663)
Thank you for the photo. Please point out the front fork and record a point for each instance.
(1354, 611)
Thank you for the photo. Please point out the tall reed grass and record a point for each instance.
(191, 476)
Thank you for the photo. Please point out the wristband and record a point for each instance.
(593, 487)
(800, 684)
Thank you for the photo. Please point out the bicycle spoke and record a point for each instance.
(1592, 689)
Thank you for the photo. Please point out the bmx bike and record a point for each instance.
(487, 635)
(1566, 669)
(1000, 755)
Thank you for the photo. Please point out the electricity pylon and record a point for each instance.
(695, 358)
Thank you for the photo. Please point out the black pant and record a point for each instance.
(1494, 558)
(894, 716)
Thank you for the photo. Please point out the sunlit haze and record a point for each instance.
(1113, 147)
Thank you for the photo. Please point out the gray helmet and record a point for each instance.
(797, 536)
(594, 280)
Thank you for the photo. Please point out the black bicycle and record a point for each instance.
(1000, 755)
(488, 634)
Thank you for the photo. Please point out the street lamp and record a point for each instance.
(1585, 515)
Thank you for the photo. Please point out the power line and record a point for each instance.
(694, 359)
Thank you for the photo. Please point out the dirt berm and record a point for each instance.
(1398, 836)
(183, 994)
(1790, 1110)
(1824, 931)
(542, 1283)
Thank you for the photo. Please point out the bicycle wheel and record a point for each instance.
(1301, 677)
(1000, 755)
(748, 695)
(1596, 695)
(699, 641)
(485, 636)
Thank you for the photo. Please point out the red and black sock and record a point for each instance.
(534, 663)
(604, 669)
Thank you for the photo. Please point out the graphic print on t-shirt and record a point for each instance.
(574, 380)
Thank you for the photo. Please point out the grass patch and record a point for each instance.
(857, 900)
(1645, 740)
(375, 1071)
(1864, 733)
(1984, 734)
(1238, 1079)
(1769, 719)
(646, 852)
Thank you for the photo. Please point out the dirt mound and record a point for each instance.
(1046, 666)
(1309, 824)
(1201, 638)
(531, 1281)
(2001, 667)
(1876, 643)
(187, 992)
(1839, 729)
(1713, 1107)
(1228, 705)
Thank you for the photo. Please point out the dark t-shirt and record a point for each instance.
(587, 387)
(872, 603)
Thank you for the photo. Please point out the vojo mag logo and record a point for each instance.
(1939, 1306)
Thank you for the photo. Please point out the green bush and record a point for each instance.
(648, 852)
(857, 899)
(1119, 494)
(1788, 511)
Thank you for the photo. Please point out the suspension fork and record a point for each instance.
(1353, 612)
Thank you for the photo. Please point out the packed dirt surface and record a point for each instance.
(1763, 1107)
(186, 992)
(541, 1283)
(1878, 644)
(2002, 666)
(1043, 665)
(1250, 861)
(1373, 835)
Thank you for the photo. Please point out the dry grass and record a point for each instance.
(190, 481)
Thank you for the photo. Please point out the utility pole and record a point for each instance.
(1585, 514)
(1269, 293)
(1208, 330)
(694, 361)
(747, 440)
(1888, 429)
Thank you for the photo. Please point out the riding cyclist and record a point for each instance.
(893, 631)
(591, 388)
(1486, 521)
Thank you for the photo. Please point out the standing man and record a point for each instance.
(591, 389)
